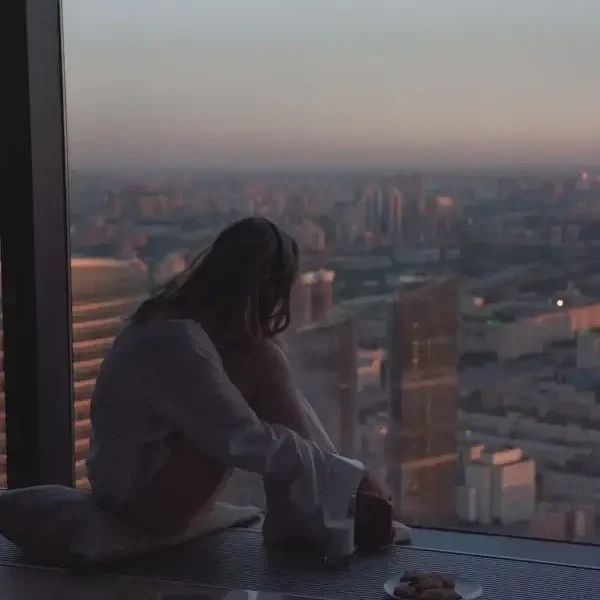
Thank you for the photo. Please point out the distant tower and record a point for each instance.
(301, 301)
(414, 205)
(106, 291)
(372, 207)
(321, 294)
(394, 213)
(324, 359)
(423, 380)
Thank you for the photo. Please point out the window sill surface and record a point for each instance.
(507, 568)
(526, 549)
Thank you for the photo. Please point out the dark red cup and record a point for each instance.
(374, 522)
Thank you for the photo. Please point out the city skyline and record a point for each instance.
(327, 84)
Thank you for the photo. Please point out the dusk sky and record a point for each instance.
(283, 83)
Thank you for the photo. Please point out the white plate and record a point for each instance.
(468, 590)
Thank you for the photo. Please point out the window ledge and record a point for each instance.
(517, 548)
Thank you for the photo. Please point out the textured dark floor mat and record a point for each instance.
(238, 559)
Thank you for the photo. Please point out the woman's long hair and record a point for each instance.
(238, 289)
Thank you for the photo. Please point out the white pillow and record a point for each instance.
(402, 533)
(64, 525)
(103, 538)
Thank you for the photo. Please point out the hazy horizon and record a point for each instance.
(331, 84)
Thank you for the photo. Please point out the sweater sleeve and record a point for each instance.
(181, 375)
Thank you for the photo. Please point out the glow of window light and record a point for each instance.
(560, 303)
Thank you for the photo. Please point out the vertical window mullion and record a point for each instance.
(35, 250)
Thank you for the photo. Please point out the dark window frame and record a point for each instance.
(35, 250)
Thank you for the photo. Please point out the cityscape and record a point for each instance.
(446, 326)
(437, 164)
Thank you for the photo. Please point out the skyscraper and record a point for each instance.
(383, 208)
(300, 300)
(414, 205)
(105, 292)
(322, 294)
(312, 297)
(422, 459)
(324, 359)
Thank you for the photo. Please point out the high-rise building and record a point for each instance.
(372, 207)
(324, 359)
(301, 302)
(384, 211)
(393, 212)
(500, 487)
(322, 294)
(312, 297)
(105, 292)
(422, 453)
(564, 521)
(412, 187)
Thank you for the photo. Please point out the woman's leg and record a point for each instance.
(187, 484)
(263, 375)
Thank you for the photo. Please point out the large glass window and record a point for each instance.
(437, 165)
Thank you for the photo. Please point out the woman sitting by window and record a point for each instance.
(196, 385)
